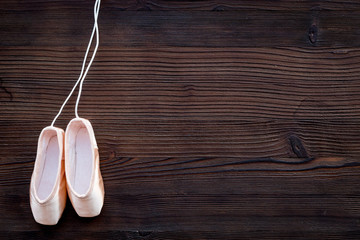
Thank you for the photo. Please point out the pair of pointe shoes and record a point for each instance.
(66, 162)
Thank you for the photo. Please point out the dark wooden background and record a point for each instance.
(214, 119)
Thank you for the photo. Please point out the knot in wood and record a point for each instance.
(313, 32)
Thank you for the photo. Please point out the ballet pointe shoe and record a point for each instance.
(48, 184)
(83, 176)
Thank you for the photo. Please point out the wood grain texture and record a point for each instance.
(242, 28)
(183, 5)
(214, 119)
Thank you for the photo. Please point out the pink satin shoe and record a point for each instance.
(48, 184)
(84, 182)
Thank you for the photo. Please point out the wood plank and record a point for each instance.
(238, 102)
(243, 28)
(245, 200)
(185, 5)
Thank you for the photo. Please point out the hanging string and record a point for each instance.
(96, 13)
(83, 74)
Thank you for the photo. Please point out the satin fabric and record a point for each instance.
(90, 203)
(49, 210)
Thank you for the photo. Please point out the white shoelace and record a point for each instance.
(84, 73)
